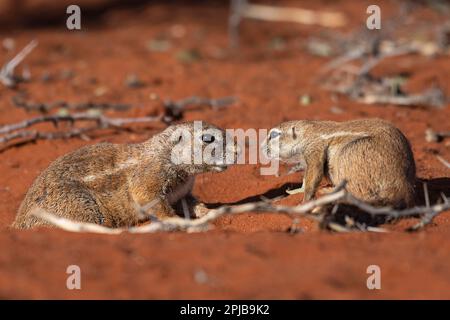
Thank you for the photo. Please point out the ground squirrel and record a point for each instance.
(107, 183)
(373, 156)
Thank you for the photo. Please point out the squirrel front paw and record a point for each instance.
(200, 210)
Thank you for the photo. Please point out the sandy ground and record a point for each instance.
(246, 256)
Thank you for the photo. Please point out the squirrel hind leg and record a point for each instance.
(70, 200)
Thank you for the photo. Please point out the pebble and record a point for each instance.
(133, 81)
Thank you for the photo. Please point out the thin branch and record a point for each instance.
(395, 213)
(349, 56)
(432, 97)
(240, 9)
(189, 225)
(73, 226)
(361, 86)
(340, 195)
(175, 109)
(429, 215)
(102, 121)
(34, 135)
(370, 64)
(19, 102)
(292, 14)
(16, 131)
(7, 71)
(444, 162)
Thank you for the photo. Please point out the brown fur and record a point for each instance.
(373, 156)
(107, 183)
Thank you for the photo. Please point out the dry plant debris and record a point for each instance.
(351, 72)
(19, 133)
(339, 196)
(7, 76)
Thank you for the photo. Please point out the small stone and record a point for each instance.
(178, 31)
(63, 112)
(94, 112)
(336, 110)
(153, 96)
(277, 43)
(9, 44)
(133, 81)
(100, 91)
(92, 80)
(46, 77)
(200, 276)
(67, 74)
(305, 100)
(319, 48)
(431, 136)
(159, 45)
(188, 56)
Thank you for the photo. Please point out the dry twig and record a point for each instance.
(340, 195)
(360, 85)
(102, 121)
(444, 162)
(7, 71)
(432, 97)
(174, 109)
(298, 15)
(19, 102)
(16, 131)
(242, 9)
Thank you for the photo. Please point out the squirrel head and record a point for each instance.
(197, 147)
(286, 141)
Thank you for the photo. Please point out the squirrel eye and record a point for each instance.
(208, 138)
(274, 134)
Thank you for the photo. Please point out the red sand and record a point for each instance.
(246, 256)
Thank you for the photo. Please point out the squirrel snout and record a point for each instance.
(270, 148)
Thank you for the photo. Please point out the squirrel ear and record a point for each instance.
(294, 134)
